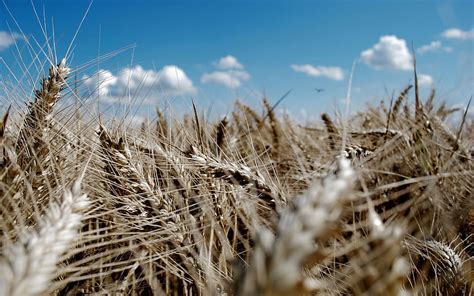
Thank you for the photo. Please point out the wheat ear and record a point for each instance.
(278, 261)
(30, 138)
(234, 174)
(331, 129)
(398, 103)
(28, 265)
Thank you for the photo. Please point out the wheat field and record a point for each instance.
(380, 203)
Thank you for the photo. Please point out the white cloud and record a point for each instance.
(103, 82)
(168, 81)
(424, 80)
(230, 75)
(434, 46)
(455, 33)
(7, 39)
(230, 79)
(229, 62)
(390, 52)
(334, 73)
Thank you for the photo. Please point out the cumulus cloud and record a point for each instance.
(229, 62)
(103, 83)
(168, 81)
(424, 80)
(434, 46)
(455, 33)
(230, 79)
(8, 39)
(231, 73)
(390, 52)
(334, 73)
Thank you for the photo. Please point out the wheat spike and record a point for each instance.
(30, 140)
(278, 260)
(28, 266)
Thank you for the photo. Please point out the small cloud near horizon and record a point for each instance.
(229, 62)
(433, 46)
(425, 80)
(231, 73)
(456, 33)
(334, 73)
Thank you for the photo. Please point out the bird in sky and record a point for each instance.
(319, 89)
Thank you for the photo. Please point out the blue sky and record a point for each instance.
(217, 51)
